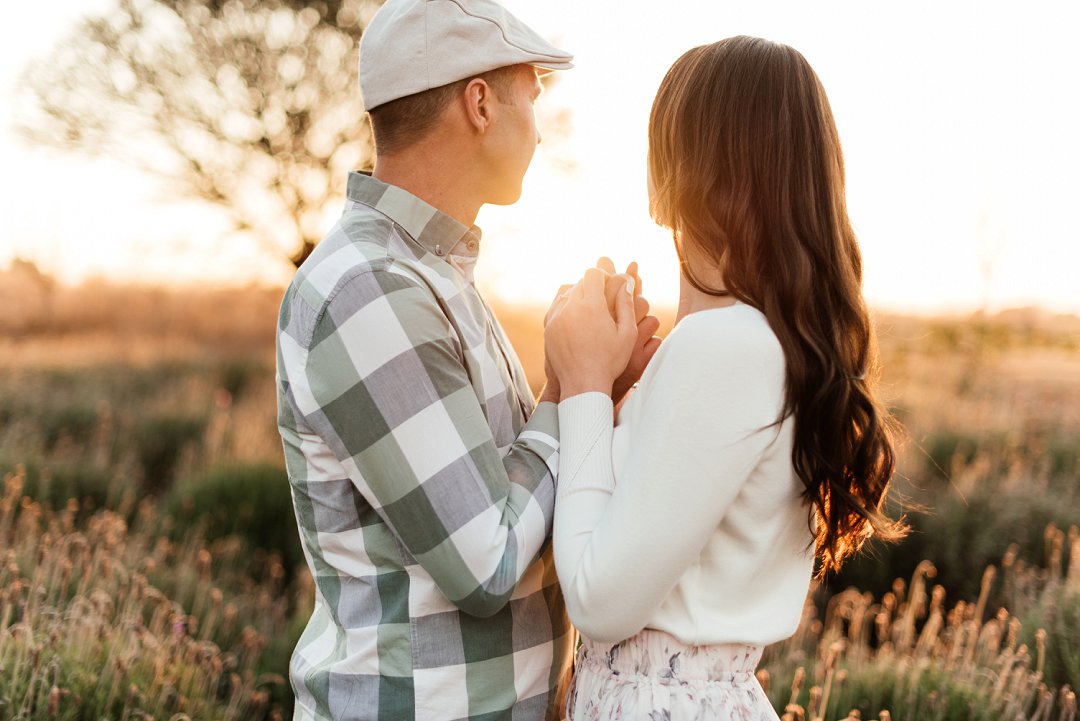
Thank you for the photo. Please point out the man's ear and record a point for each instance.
(478, 104)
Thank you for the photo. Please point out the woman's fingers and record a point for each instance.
(647, 327)
(624, 311)
(632, 271)
(641, 306)
(615, 282)
(593, 285)
(649, 350)
(606, 264)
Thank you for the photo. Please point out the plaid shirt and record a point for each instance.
(423, 489)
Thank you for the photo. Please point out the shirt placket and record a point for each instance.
(518, 384)
(501, 343)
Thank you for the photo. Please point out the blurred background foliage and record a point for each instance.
(149, 559)
(250, 105)
(153, 410)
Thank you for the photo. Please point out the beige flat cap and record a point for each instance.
(415, 45)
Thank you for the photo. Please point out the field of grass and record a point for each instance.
(149, 566)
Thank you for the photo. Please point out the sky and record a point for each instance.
(958, 121)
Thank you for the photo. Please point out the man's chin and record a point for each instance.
(506, 198)
(506, 192)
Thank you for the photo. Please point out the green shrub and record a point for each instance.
(159, 442)
(1057, 611)
(962, 537)
(93, 487)
(253, 502)
(8, 410)
(54, 483)
(983, 493)
(1063, 457)
(237, 376)
(73, 423)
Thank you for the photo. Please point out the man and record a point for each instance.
(422, 476)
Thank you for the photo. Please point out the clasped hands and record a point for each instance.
(598, 334)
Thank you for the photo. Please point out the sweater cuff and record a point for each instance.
(585, 428)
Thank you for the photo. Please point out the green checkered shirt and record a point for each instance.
(423, 489)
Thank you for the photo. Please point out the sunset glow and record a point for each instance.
(958, 124)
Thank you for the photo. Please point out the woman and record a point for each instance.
(686, 533)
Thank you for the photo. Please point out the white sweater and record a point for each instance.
(686, 516)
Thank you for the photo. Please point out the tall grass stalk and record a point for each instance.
(908, 657)
(86, 633)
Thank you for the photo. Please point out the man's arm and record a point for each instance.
(384, 385)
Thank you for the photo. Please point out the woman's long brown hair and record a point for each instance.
(747, 170)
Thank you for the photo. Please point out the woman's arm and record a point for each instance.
(704, 419)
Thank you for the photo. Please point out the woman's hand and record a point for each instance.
(647, 343)
(588, 346)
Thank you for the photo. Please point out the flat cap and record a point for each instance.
(416, 45)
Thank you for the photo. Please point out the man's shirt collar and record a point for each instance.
(436, 231)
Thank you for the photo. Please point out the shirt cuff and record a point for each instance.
(541, 436)
(544, 422)
(586, 424)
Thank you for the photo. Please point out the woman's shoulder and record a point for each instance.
(738, 333)
(727, 357)
(723, 350)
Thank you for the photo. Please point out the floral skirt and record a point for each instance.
(653, 677)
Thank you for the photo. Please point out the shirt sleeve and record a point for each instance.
(705, 419)
(392, 398)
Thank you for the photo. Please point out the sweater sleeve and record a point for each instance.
(706, 416)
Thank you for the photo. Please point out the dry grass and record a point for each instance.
(908, 656)
(46, 324)
(113, 395)
(99, 620)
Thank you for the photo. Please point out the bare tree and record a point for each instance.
(251, 105)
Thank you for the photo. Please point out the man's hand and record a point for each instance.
(587, 345)
(644, 347)
(551, 391)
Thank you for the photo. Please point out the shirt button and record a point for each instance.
(472, 245)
